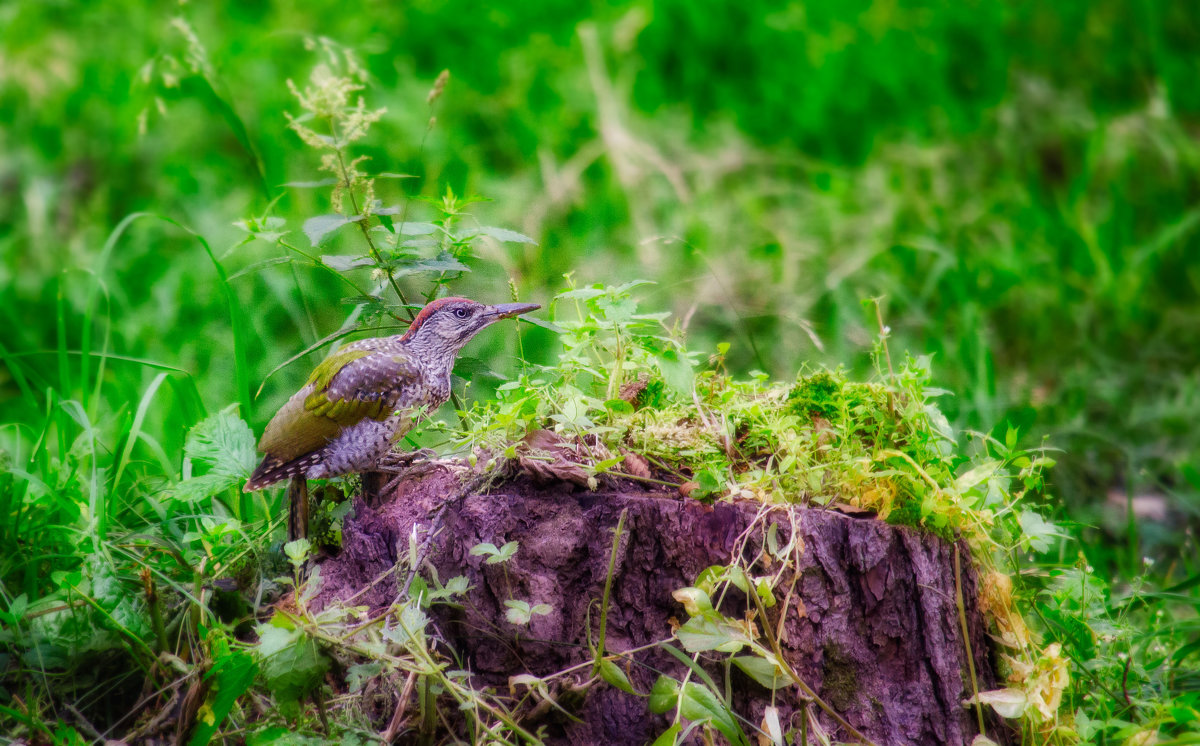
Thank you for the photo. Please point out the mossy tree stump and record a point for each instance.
(871, 621)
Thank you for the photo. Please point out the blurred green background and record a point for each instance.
(1017, 180)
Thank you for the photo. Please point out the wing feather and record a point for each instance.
(347, 387)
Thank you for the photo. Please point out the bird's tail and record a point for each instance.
(272, 470)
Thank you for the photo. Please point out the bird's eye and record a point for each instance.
(461, 313)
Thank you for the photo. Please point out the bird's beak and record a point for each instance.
(508, 310)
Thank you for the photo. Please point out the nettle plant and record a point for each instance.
(614, 359)
(423, 256)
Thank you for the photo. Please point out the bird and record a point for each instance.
(365, 396)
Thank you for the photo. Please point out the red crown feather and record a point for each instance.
(428, 310)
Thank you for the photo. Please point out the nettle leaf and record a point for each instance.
(1039, 532)
(410, 628)
(322, 225)
(311, 184)
(359, 675)
(444, 263)
(292, 664)
(676, 371)
(194, 489)
(505, 235)
(547, 325)
(579, 294)
(225, 444)
(343, 262)
(268, 229)
(416, 229)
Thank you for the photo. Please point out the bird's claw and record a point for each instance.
(398, 462)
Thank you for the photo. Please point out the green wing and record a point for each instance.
(347, 387)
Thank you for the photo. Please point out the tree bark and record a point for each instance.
(870, 619)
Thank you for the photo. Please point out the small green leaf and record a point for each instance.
(702, 633)
(549, 326)
(613, 674)
(669, 736)
(977, 475)
(1039, 532)
(297, 551)
(765, 672)
(663, 695)
(695, 600)
(700, 704)
(484, 548)
(503, 554)
(225, 444)
(518, 612)
(618, 406)
(763, 588)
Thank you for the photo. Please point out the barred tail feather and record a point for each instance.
(272, 470)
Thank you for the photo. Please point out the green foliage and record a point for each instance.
(292, 663)
(494, 556)
(1028, 214)
(225, 445)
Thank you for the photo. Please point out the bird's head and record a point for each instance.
(447, 324)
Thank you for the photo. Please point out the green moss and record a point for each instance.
(820, 394)
(839, 681)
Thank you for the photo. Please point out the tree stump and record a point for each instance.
(872, 623)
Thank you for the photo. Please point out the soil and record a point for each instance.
(870, 615)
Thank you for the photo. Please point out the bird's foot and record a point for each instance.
(399, 462)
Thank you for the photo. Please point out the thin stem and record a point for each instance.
(962, 620)
(612, 566)
(363, 225)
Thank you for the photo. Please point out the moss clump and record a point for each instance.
(821, 394)
(839, 681)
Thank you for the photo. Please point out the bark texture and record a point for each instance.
(870, 620)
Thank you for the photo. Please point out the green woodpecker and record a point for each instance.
(364, 397)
